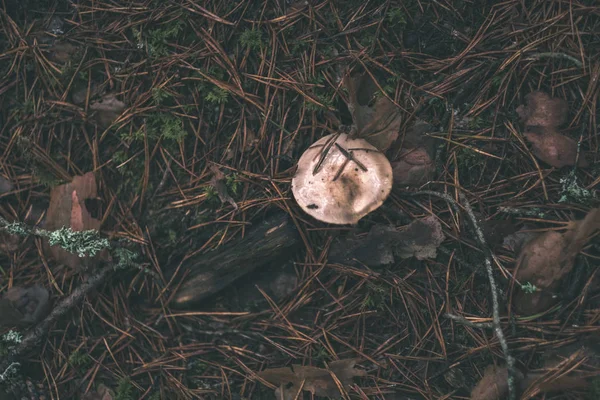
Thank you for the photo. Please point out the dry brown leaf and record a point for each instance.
(546, 259)
(67, 209)
(555, 149)
(318, 381)
(493, 385)
(107, 109)
(542, 110)
(377, 119)
(21, 306)
(218, 182)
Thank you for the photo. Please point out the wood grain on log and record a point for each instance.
(271, 240)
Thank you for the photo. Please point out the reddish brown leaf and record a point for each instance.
(555, 149)
(546, 259)
(67, 209)
(542, 110)
(377, 119)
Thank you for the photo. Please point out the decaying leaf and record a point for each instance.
(22, 306)
(62, 52)
(493, 385)
(555, 149)
(376, 118)
(495, 231)
(542, 115)
(415, 165)
(421, 239)
(318, 381)
(383, 244)
(107, 109)
(102, 393)
(542, 110)
(546, 259)
(218, 182)
(67, 209)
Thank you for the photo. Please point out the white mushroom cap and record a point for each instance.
(353, 179)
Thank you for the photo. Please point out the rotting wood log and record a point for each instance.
(271, 240)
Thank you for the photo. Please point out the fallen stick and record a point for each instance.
(480, 239)
(272, 240)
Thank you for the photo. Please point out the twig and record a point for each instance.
(510, 362)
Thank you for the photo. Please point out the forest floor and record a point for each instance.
(191, 116)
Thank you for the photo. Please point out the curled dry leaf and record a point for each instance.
(218, 183)
(377, 119)
(555, 149)
(67, 209)
(22, 306)
(106, 110)
(542, 110)
(318, 381)
(546, 259)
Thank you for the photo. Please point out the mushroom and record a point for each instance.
(341, 179)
